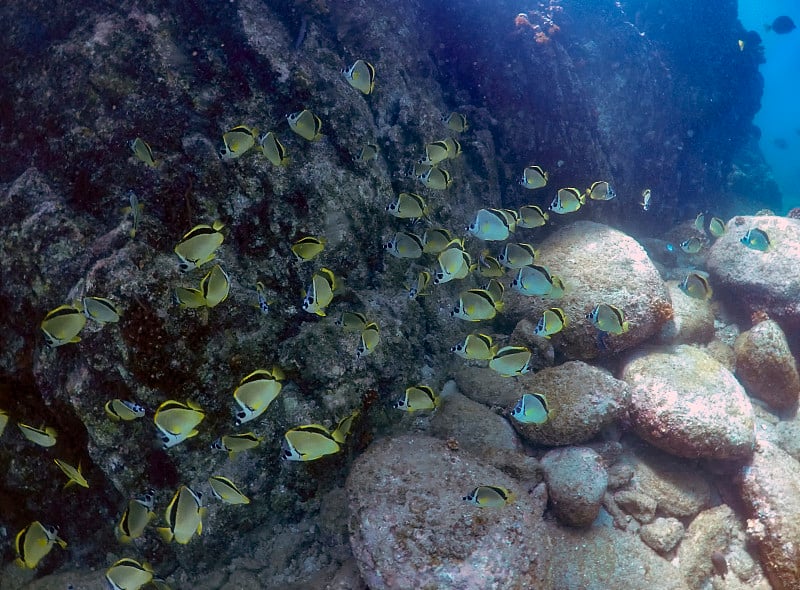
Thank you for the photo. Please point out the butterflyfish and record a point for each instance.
(118, 409)
(490, 225)
(516, 255)
(34, 542)
(3, 421)
(273, 149)
(716, 227)
(567, 200)
(511, 361)
(756, 239)
(137, 515)
(367, 153)
(184, 516)
(135, 209)
(435, 152)
(553, 320)
(436, 178)
(237, 142)
(198, 245)
(533, 177)
(75, 477)
(188, 297)
(236, 443)
(692, 246)
(225, 490)
(531, 216)
(533, 280)
(608, 318)
(416, 398)
(320, 292)
(100, 309)
(531, 409)
(370, 338)
(455, 122)
(475, 305)
(488, 266)
(490, 496)
(215, 286)
(361, 76)
(345, 426)
(436, 240)
(44, 437)
(308, 442)
(419, 286)
(601, 191)
(696, 285)
(645, 202)
(176, 421)
(261, 293)
(352, 321)
(496, 289)
(454, 263)
(476, 347)
(256, 392)
(408, 206)
(128, 574)
(308, 248)
(141, 149)
(62, 325)
(306, 124)
(404, 245)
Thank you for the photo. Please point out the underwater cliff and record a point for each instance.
(386, 295)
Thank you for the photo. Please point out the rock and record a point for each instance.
(663, 534)
(766, 367)
(481, 384)
(753, 281)
(787, 436)
(597, 264)
(576, 481)
(770, 490)
(641, 506)
(709, 533)
(410, 528)
(692, 321)
(582, 401)
(686, 403)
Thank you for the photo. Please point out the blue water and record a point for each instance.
(779, 117)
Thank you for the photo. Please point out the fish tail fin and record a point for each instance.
(166, 534)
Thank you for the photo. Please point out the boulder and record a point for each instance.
(576, 482)
(692, 321)
(663, 534)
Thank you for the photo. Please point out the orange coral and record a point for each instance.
(663, 311)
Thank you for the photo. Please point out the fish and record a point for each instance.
(188, 297)
(488, 266)
(741, 45)
(645, 202)
(273, 149)
(455, 122)
(491, 225)
(256, 392)
(608, 318)
(237, 142)
(534, 177)
(496, 290)
(531, 409)
(553, 320)
(781, 25)
(308, 248)
(34, 542)
(141, 149)
(475, 305)
(716, 227)
(99, 309)
(436, 240)
(135, 210)
(184, 516)
(62, 325)
(567, 200)
(215, 286)
(531, 216)
(490, 496)
(345, 426)
(306, 124)
(435, 152)
(516, 255)
(44, 436)
(534, 280)
(756, 239)
(558, 287)
(453, 148)
(408, 206)
(478, 347)
(225, 490)
(198, 245)
(118, 409)
(601, 191)
(137, 515)
(75, 476)
(419, 286)
(261, 292)
(404, 245)
(700, 222)
(352, 321)
(692, 246)
(236, 443)
(361, 76)
(176, 421)
(436, 178)
(3, 421)
(367, 153)
(128, 574)
(320, 292)
(696, 285)
(308, 442)
(511, 361)
(454, 263)
(370, 338)
(416, 398)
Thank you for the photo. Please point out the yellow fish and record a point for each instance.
(692, 246)
(184, 516)
(236, 443)
(141, 149)
(455, 122)
(419, 285)
(225, 490)
(199, 244)
(128, 574)
(361, 76)
(436, 178)
(490, 496)
(516, 256)
(476, 347)
(238, 141)
(138, 514)
(475, 305)
(408, 206)
(435, 240)
(34, 542)
(601, 191)
(454, 263)
(367, 153)
(100, 309)
(531, 409)
(177, 421)
(215, 286)
(135, 209)
(696, 285)
(492, 225)
(62, 325)
(404, 245)
(418, 397)
(320, 292)
(75, 476)
(553, 320)
(308, 442)
(435, 152)
(533, 177)
(608, 318)
(44, 437)
(531, 216)
(344, 426)
(3, 421)
(273, 149)
(370, 338)
(308, 248)
(352, 321)
(306, 124)
(567, 200)
(511, 361)
(256, 392)
(534, 280)
(488, 266)
(188, 297)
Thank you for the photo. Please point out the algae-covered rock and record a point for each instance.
(576, 482)
(663, 534)
(692, 320)
(686, 403)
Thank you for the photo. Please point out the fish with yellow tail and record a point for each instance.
(567, 200)
(361, 76)
(553, 320)
(306, 124)
(436, 178)
(492, 225)
(34, 542)
(128, 574)
(531, 216)
(3, 421)
(101, 310)
(476, 347)
(455, 122)
(236, 443)
(608, 318)
(124, 410)
(533, 177)
(515, 255)
(419, 286)
(368, 153)
(237, 142)
(345, 426)
(142, 151)
(696, 285)
(370, 338)
(256, 392)
(511, 361)
(308, 248)
(320, 293)
(404, 245)
(225, 490)
(308, 442)
(74, 475)
(475, 305)
(489, 496)
(184, 516)
(454, 263)
(176, 421)
(62, 325)
(137, 515)
(273, 149)
(408, 206)
(531, 408)
(756, 239)
(44, 436)
(416, 398)
(215, 286)
(135, 210)
(601, 191)
(198, 245)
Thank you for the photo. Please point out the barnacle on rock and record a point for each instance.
(663, 311)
